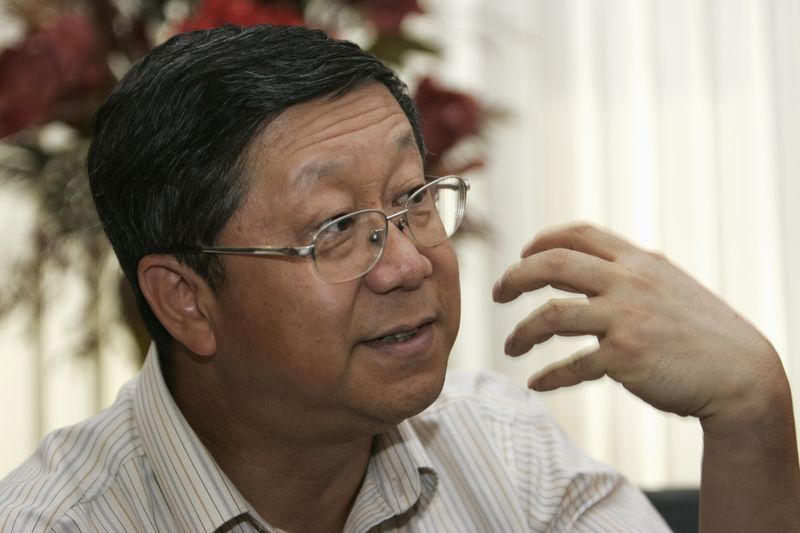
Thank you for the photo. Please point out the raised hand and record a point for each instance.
(678, 347)
(661, 334)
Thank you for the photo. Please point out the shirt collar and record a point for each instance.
(400, 474)
(202, 498)
(199, 494)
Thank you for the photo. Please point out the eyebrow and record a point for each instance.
(314, 171)
(406, 140)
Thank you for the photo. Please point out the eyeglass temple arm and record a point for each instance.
(444, 184)
(455, 187)
(299, 251)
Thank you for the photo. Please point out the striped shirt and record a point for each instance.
(484, 457)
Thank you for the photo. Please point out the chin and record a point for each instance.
(421, 397)
(406, 399)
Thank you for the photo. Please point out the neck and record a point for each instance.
(295, 480)
(309, 488)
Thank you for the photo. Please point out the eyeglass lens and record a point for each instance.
(349, 246)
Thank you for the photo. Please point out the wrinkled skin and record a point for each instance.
(676, 346)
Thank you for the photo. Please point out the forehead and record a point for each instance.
(314, 138)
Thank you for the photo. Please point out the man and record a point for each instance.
(264, 191)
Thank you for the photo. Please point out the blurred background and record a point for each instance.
(674, 122)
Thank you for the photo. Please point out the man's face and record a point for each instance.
(298, 348)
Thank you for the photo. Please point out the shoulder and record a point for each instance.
(491, 411)
(511, 418)
(72, 466)
(513, 430)
(556, 484)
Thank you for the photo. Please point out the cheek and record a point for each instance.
(292, 318)
(445, 268)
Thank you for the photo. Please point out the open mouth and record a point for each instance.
(403, 336)
(397, 337)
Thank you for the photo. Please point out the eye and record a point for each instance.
(342, 224)
(325, 223)
(418, 199)
(408, 194)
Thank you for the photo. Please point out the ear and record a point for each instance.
(177, 294)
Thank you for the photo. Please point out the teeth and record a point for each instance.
(399, 336)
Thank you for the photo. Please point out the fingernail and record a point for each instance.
(496, 290)
(524, 252)
(507, 346)
(536, 381)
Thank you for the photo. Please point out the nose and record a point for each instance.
(402, 264)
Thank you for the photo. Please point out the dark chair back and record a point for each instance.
(679, 507)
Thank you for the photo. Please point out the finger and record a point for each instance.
(560, 268)
(587, 364)
(582, 237)
(561, 316)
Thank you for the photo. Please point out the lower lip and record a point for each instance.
(419, 343)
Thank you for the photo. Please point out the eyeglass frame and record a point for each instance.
(308, 250)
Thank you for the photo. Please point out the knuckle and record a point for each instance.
(511, 277)
(638, 278)
(630, 313)
(557, 259)
(582, 227)
(643, 283)
(551, 313)
(579, 231)
(579, 365)
(658, 256)
(622, 341)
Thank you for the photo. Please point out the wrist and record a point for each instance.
(763, 407)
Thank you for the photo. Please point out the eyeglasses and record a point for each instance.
(349, 246)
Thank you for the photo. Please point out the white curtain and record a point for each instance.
(675, 123)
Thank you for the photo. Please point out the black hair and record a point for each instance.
(166, 165)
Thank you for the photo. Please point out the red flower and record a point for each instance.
(57, 61)
(386, 15)
(447, 118)
(214, 13)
